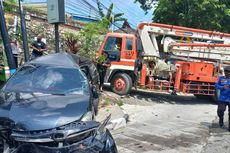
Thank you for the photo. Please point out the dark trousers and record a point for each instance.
(34, 55)
(102, 72)
(16, 59)
(102, 77)
(220, 112)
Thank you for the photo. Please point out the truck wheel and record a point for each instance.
(121, 84)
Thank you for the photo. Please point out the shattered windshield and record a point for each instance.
(48, 79)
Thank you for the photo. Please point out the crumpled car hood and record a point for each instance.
(43, 112)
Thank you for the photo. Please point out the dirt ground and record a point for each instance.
(166, 123)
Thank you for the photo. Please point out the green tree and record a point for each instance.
(91, 38)
(204, 14)
(72, 41)
(10, 5)
(147, 4)
(109, 16)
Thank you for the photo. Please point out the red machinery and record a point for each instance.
(166, 58)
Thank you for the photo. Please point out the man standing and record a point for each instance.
(38, 47)
(15, 51)
(102, 64)
(223, 85)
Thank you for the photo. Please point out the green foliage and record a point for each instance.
(109, 16)
(105, 102)
(204, 14)
(120, 103)
(146, 4)
(72, 41)
(10, 5)
(90, 38)
(100, 9)
(101, 59)
(109, 13)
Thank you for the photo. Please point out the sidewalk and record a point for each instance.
(110, 105)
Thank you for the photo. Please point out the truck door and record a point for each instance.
(129, 53)
(129, 49)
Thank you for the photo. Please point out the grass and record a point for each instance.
(105, 102)
(120, 103)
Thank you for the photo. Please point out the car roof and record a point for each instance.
(57, 59)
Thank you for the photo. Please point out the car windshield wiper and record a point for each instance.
(30, 65)
(58, 94)
(74, 91)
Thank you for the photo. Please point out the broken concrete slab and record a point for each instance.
(118, 117)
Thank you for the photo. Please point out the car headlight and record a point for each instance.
(87, 116)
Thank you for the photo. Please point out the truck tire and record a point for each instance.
(121, 84)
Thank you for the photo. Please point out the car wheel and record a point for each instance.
(121, 84)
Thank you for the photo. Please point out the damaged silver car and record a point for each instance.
(48, 106)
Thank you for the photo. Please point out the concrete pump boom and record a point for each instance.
(184, 42)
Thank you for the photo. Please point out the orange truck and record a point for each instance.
(166, 58)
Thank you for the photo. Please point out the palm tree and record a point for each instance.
(109, 15)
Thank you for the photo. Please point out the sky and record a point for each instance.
(131, 10)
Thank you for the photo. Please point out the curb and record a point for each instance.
(120, 122)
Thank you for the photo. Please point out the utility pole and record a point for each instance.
(6, 42)
(24, 32)
(56, 29)
(56, 16)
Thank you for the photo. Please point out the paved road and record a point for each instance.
(165, 123)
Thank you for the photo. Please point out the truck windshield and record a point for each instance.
(113, 48)
(48, 79)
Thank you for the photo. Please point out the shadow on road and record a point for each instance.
(214, 127)
(142, 96)
(171, 99)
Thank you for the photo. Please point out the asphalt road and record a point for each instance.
(166, 123)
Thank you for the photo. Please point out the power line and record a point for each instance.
(106, 8)
(86, 7)
(90, 5)
(83, 7)
(129, 12)
(73, 10)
